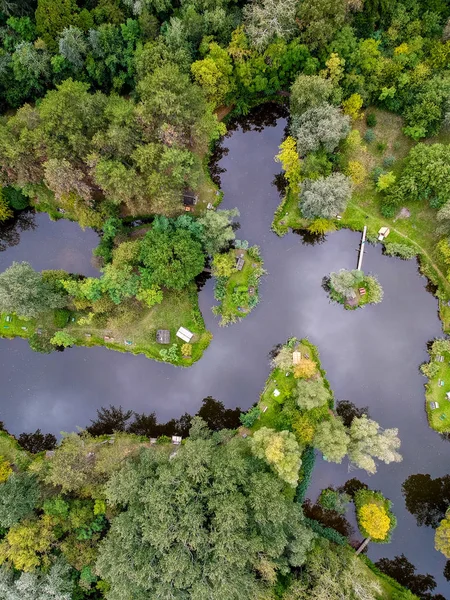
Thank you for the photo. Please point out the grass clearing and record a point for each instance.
(439, 418)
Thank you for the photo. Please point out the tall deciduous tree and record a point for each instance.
(228, 538)
(23, 291)
(332, 439)
(267, 19)
(325, 197)
(322, 126)
(56, 584)
(217, 231)
(368, 441)
(19, 496)
(311, 394)
(281, 451)
(309, 91)
(171, 259)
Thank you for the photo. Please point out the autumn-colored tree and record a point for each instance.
(5, 209)
(356, 171)
(26, 544)
(305, 369)
(375, 521)
(290, 162)
(352, 106)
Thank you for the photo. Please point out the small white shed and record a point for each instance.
(185, 334)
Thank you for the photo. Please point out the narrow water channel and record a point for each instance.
(371, 355)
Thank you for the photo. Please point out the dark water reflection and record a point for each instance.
(371, 355)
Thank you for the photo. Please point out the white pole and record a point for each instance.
(361, 250)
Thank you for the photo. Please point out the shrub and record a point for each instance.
(41, 343)
(401, 250)
(15, 198)
(371, 120)
(306, 471)
(223, 265)
(249, 418)
(304, 428)
(388, 207)
(331, 499)
(321, 226)
(369, 136)
(61, 317)
(376, 173)
(171, 354)
(388, 161)
(430, 369)
(186, 350)
(62, 338)
(356, 171)
(326, 532)
(5, 469)
(374, 290)
(385, 180)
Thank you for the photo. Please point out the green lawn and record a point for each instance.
(439, 418)
(177, 309)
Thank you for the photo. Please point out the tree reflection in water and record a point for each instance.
(426, 498)
(11, 229)
(400, 569)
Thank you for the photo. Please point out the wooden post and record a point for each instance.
(363, 545)
(361, 249)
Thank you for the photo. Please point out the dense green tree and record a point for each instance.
(52, 18)
(442, 536)
(309, 91)
(171, 259)
(109, 420)
(24, 291)
(73, 46)
(19, 496)
(319, 20)
(37, 441)
(325, 197)
(368, 441)
(344, 282)
(214, 74)
(232, 534)
(311, 394)
(217, 231)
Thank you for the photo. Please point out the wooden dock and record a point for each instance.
(361, 248)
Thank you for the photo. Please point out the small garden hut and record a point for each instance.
(296, 357)
(383, 233)
(185, 334)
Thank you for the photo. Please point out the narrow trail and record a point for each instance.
(420, 248)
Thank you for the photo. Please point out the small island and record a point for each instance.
(237, 275)
(353, 288)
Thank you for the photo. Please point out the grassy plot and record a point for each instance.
(138, 336)
(238, 293)
(281, 387)
(437, 387)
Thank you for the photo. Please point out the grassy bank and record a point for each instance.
(137, 337)
(417, 230)
(438, 385)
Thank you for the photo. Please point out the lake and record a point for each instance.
(371, 355)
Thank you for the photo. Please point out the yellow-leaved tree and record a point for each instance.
(290, 161)
(375, 521)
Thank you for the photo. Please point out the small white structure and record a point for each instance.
(447, 395)
(434, 405)
(276, 393)
(383, 233)
(153, 441)
(176, 439)
(296, 357)
(185, 334)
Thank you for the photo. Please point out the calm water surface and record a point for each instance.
(371, 355)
